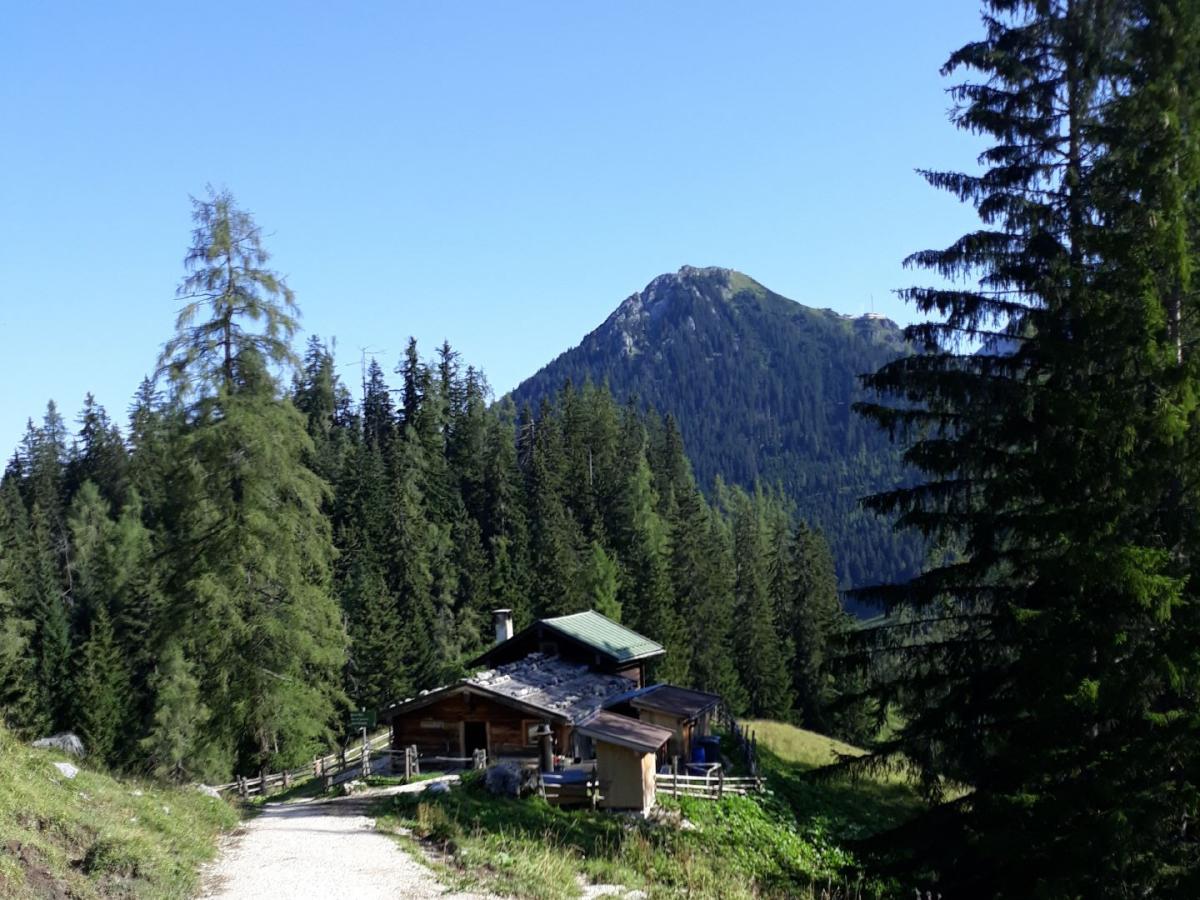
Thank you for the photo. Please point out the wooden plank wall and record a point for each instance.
(436, 729)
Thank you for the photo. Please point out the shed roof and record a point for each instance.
(683, 702)
(610, 728)
(560, 690)
(601, 632)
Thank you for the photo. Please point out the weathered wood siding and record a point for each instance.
(626, 777)
(680, 743)
(437, 729)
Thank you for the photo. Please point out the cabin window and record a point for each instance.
(433, 724)
(529, 728)
(548, 648)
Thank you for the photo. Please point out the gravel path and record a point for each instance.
(319, 849)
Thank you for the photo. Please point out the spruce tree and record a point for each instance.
(101, 686)
(816, 619)
(1050, 667)
(762, 653)
(600, 583)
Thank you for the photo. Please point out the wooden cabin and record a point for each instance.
(627, 751)
(587, 638)
(556, 672)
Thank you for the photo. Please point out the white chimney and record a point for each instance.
(502, 618)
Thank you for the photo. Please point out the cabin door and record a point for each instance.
(474, 737)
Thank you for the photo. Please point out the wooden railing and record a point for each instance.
(712, 786)
(744, 740)
(330, 767)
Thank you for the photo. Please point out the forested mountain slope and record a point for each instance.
(762, 388)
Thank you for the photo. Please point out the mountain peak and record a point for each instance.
(762, 389)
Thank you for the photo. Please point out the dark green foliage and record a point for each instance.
(763, 658)
(814, 621)
(758, 389)
(101, 686)
(1049, 664)
(212, 592)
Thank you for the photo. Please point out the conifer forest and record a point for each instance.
(264, 547)
(207, 581)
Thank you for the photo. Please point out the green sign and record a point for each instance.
(362, 718)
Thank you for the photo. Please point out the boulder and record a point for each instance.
(504, 780)
(66, 741)
(511, 780)
(438, 787)
(67, 769)
(208, 791)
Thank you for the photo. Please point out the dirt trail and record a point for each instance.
(320, 849)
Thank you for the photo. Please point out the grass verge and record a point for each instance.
(95, 836)
(740, 847)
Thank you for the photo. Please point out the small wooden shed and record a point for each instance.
(686, 712)
(626, 759)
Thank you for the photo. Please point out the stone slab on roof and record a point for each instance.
(601, 632)
(611, 728)
(565, 689)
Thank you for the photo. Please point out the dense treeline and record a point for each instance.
(213, 587)
(762, 388)
(1049, 661)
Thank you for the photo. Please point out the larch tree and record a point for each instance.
(252, 599)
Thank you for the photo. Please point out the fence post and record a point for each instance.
(241, 783)
(287, 779)
(720, 783)
(416, 756)
(366, 755)
(675, 776)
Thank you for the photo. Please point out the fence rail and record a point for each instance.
(713, 786)
(328, 766)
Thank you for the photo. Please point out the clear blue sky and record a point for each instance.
(499, 174)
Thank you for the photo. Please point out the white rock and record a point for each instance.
(135, 793)
(67, 769)
(438, 787)
(208, 791)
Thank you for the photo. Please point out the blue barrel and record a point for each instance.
(699, 754)
(712, 748)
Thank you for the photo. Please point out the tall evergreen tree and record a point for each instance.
(1050, 666)
(253, 551)
(101, 688)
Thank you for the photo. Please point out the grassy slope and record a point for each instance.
(96, 836)
(780, 844)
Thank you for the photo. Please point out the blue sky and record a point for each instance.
(498, 174)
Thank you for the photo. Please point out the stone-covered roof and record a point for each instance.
(604, 634)
(562, 690)
(612, 728)
(571, 690)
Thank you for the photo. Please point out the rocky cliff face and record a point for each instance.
(762, 388)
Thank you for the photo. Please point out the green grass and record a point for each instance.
(787, 842)
(845, 808)
(95, 836)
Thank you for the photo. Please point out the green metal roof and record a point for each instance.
(605, 635)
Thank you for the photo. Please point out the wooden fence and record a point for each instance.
(329, 767)
(712, 786)
(409, 760)
(744, 740)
